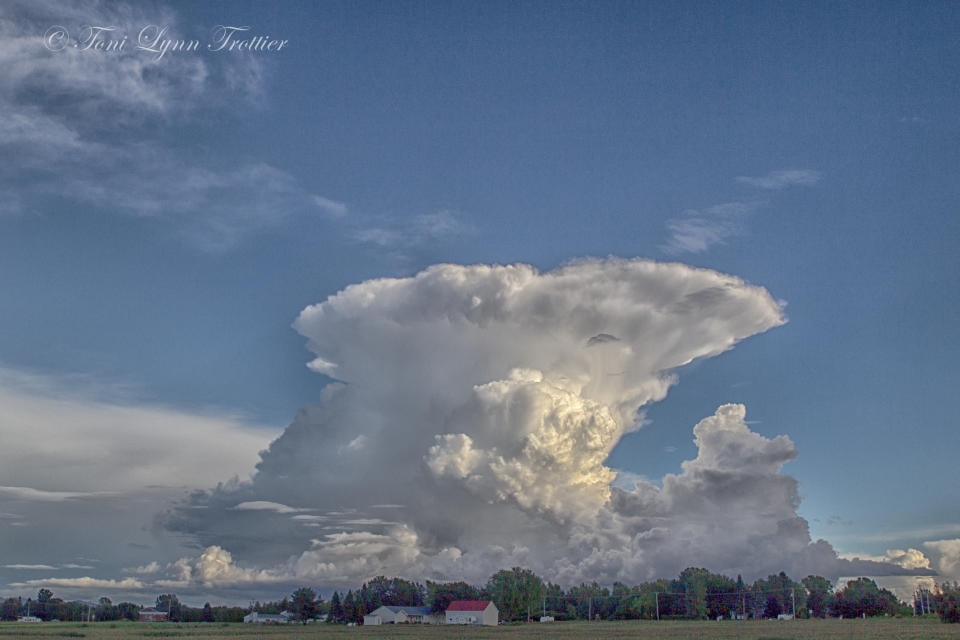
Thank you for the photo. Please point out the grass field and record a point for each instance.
(874, 629)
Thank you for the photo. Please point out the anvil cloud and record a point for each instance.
(474, 410)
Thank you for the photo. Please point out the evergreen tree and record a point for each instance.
(304, 604)
(335, 615)
(10, 610)
(350, 611)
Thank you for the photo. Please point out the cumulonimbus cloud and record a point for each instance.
(480, 403)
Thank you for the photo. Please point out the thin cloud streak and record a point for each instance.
(42, 495)
(782, 179)
(405, 233)
(698, 230)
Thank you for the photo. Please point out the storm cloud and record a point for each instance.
(467, 428)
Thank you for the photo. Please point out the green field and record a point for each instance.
(873, 629)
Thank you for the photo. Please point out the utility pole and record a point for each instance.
(544, 606)
(656, 597)
(793, 598)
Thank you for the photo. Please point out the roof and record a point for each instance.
(417, 611)
(468, 605)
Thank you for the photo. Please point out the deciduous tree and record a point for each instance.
(441, 594)
(517, 592)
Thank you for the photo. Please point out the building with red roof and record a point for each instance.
(473, 612)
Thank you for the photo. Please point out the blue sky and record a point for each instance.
(164, 221)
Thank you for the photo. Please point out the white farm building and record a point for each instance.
(473, 612)
(399, 615)
(268, 618)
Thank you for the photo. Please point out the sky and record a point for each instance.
(299, 295)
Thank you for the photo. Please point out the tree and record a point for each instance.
(693, 584)
(441, 594)
(43, 598)
(304, 604)
(517, 592)
(722, 597)
(10, 610)
(391, 592)
(590, 600)
(947, 598)
(788, 593)
(351, 612)
(863, 597)
(819, 595)
(129, 611)
(105, 610)
(772, 609)
(335, 615)
(168, 602)
(207, 614)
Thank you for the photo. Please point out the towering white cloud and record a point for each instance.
(475, 409)
(946, 555)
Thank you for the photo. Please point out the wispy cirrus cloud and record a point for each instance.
(331, 207)
(697, 230)
(782, 178)
(401, 233)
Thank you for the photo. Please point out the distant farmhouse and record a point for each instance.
(472, 612)
(150, 614)
(268, 618)
(398, 615)
(459, 612)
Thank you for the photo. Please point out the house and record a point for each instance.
(472, 612)
(398, 615)
(151, 614)
(268, 618)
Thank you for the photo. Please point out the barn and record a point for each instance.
(150, 614)
(473, 612)
(398, 615)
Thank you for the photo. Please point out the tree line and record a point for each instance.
(942, 600)
(520, 594)
(48, 607)
(695, 594)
